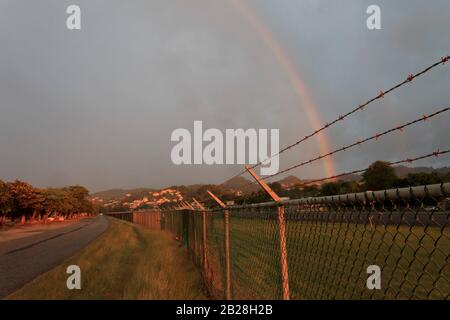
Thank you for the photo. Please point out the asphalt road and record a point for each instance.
(23, 259)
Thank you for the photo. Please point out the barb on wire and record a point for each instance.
(381, 94)
(360, 142)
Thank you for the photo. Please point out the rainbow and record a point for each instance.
(293, 74)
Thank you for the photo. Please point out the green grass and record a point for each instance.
(127, 262)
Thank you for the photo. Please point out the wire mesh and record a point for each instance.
(255, 254)
(331, 246)
(215, 244)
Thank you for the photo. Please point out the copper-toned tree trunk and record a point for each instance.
(33, 217)
(47, 213)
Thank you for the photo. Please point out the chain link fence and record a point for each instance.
(330, 243)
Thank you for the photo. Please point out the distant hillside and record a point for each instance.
(402, 171)
(289, 182)
(351, 178)
(116, 194)
(235, 183)
(239, 184)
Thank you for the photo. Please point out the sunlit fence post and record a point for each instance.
(204, 245)
(227, 254)
(283, 252)
(281, 230)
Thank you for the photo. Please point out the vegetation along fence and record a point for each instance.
(319, 248)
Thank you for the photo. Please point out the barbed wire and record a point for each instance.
(360, 142)
(361, 107)
(436, 153)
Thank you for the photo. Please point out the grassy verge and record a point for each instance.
(127, 262)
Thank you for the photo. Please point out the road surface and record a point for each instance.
(24, 258)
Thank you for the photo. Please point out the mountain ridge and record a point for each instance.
(238, 185)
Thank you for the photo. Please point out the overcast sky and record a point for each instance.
(97, 107)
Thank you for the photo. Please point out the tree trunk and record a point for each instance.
(44, 220)
(33, 217)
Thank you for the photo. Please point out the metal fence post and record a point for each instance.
(281, 230)
(283, 252)
(227, 253)
(205, 256)
(227, 246)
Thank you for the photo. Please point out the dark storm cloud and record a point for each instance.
(97, 106)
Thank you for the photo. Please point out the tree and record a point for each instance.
(20, 199)
(331, 188)
(310, 191)
(80, 196)
(26, 200)
(350, 187)
(421, 178)
(446, 177)
(5, 201)
(339, 187)
(57, 202)
(380, 175)
(277, 188)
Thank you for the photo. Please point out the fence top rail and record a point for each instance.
(115, 213)
(432, 190)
